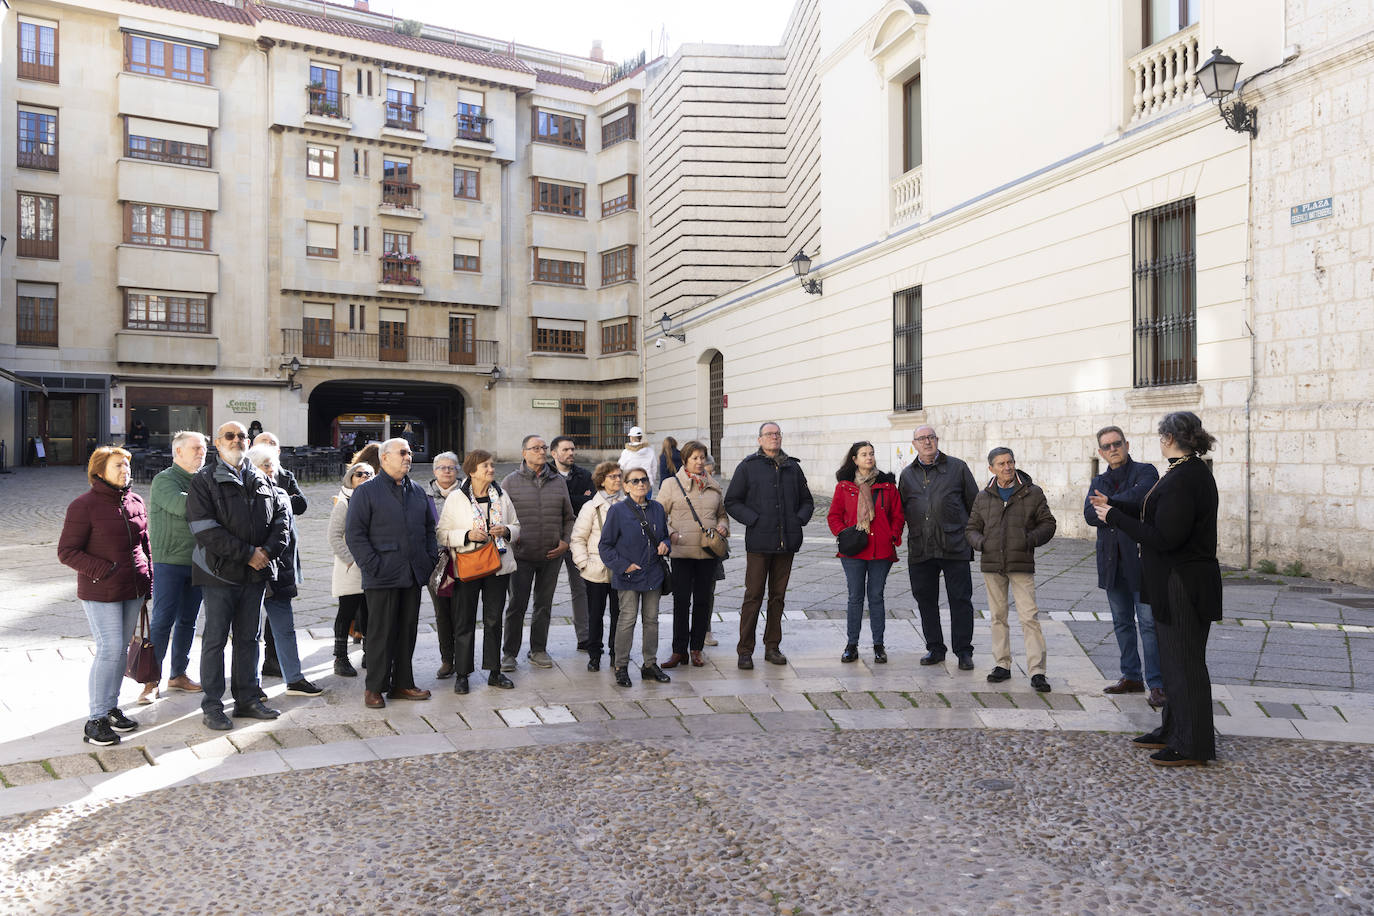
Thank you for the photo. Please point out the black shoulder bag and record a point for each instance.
(667, 587)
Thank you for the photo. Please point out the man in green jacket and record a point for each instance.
(1010, 518)
(176, 602)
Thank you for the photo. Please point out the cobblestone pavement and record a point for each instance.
(823, 787)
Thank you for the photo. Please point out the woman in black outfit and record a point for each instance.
(1177, 533)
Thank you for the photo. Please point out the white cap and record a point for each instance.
(636, 432)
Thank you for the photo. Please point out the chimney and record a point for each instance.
(597, 53)
(360, 5)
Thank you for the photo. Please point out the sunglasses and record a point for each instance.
(1112, 446)
(635, 481)
(230, 437)
(362, 474)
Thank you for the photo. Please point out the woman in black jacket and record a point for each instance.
(1181, 580)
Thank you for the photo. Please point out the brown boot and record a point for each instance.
(674, 660)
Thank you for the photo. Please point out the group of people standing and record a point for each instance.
(223, 534)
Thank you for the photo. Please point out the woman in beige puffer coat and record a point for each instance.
(585, 536)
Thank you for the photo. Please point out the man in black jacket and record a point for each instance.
(770, 497)
(580, 492)
(937, 496)
(240, 527)
(390, 532)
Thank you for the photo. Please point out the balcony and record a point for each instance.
(327, 107)
(33, 155)
(473, 126)
(401, 198)
(400, 274)
(908, 201)
(37, 65)
(403, 121)
(359, 348)
(1162, 75)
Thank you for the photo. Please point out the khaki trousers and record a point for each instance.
(1023, 590)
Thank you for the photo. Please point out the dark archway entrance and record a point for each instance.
(434, 411)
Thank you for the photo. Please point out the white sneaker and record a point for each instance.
(711, 639)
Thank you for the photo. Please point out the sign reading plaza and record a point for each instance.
(1313, 209)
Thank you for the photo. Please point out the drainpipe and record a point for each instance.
(1254, 357)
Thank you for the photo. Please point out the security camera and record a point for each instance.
(660, 343)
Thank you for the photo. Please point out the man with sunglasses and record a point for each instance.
(241, 529)
(1118, 565)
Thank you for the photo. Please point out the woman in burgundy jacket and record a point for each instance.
(866, 498)
(105, 539)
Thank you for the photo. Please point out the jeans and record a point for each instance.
(1127, 609)
(866, 577)
(284, 630)
(542, 577)
(176, 604)
(112, 625)
(925, 586)
(632, 604)
(230, 609)
(694, 580)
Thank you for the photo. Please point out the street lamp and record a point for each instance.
(291, 369)
(666, 323)
(1217, 77)
(495, 376)
(801, 266)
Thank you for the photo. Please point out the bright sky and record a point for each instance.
(625, 27)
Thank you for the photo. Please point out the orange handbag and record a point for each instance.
(476, 564)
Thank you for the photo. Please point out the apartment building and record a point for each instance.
(298, 213)
(1024, 232)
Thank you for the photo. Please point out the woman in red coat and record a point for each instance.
(867, 499)
(105, 539)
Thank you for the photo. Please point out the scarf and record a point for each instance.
(864, 512)
(492, 518)
(344, 494)
(698, 479)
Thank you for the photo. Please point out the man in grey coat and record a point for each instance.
(541, 501)
(937, 493)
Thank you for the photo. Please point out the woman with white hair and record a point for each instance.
(346, 584)
(281, 588)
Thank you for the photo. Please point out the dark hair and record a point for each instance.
(1000, 450)
(691, 448)
(525, 442)
(1186, 429)
(850, 466)
(602, 471)
(669, 443)
(1109, 429)
(370, 454)
(559, 439)
(475, 457)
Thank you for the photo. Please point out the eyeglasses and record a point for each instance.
(536, 448)
(613, 476)
(770, 435)
(926, 439)
(451, 468)
(1112, 446)
(231, 436)
(636, 481)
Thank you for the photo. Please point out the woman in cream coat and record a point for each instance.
(473, 514)
(586, 534)
(694, 567)
(346, 583)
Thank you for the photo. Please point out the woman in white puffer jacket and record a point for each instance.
(585, 536)
(346, 582)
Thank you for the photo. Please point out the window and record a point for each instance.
(321, 240)
(553, 265)
(462, 340)
(467, 254)
(618, 195)
(396, 242)
(317, 330)
(360, 238)
(401, 111)
(911, 123)
(169, 227)
(322, 161)
(558, 198)
(391, 335)
(150, 311)
(361, 162)
(37, 50)
(472, 125)
(323, 94)
(37, 225)
(397, 188)
(618, 265)
(561, 129)
(617, 126)
(618, 335)
(1163, 18)
(906, 349)
(37, 315)
(465, 184)
(559, 335)
(166, 59)
(165, 141)
(598, 424)
(1165, 295)
(37, 138)
(400, 266)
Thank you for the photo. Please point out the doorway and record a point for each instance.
(60, 428)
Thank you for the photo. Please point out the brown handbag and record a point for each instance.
(711, 539)
(142, 664)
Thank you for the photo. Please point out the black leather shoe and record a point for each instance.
(445, 671)
(1152, 740)
(254, 709)
(774, 657)
(343, 667)
(622, 677)
(655, 672)
(217, 721)
(746, 663)
(851, 653)
(998, 675)
(1171, 758)
(932, 658)
(594, 663)
(460, 684)
(497, 679)
(966, 663)
(270, 668)
(879, 654)
(1040, 683)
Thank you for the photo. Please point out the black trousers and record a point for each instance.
(351, 608)
(1187, 727)
(445, 610)
(599, 596)
(393, 616)
(925, 587)
(694, 582)
(492, 591)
